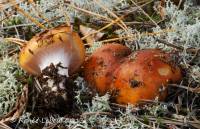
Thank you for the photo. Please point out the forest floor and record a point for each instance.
(136, 24)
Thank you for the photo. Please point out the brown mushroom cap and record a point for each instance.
(99, 67)
(57, 45)
(145, 75)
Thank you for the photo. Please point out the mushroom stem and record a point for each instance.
(20, 42)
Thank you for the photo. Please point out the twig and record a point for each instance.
(170, 44)
(195, 90)
(193, 50)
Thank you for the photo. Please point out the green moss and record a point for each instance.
(14, 21)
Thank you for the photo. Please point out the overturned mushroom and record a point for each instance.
(52, 56)
(57, 45)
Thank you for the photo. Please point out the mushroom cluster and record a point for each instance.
(131, 77)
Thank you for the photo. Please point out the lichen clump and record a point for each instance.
(10, 87)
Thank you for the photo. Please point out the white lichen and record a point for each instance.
(94, 46)
(10, 87)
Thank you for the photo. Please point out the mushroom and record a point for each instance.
(52, 56)
(131, 77)
(145, 75)
(54, 46)
(99, 67)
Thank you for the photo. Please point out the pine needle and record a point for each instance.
(115, 21)
(134, 37)
(94, 14)
(31, 2)
(147, 15)
(17, 41)
(113, 14)
(29, 17)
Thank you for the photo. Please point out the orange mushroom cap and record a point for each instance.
(57, 45)
(145, 75)
(131, 77)
(99, 67)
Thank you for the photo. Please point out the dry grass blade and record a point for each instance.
(17, 41)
